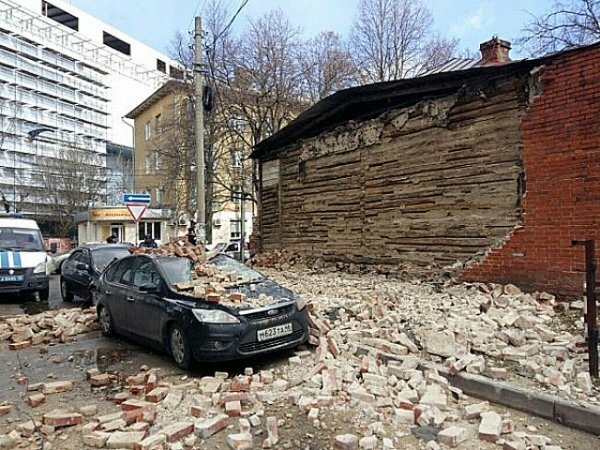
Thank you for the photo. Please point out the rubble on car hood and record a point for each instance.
(215, 284)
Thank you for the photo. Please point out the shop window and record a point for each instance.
(151, 228)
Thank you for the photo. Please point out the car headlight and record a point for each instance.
(214, 316)
(300, 302)
(41, 267)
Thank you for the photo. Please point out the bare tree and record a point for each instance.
(437, 51)
(569, 23)
(72, 181)
(327, 65)
(391, 40)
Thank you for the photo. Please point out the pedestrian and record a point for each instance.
(191, 236)
(149, 242)
(112, 239)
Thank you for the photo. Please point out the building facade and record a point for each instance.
(492, 171)
(66, 81)
(165, 163)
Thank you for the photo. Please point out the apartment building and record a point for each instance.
(165, 164)
(67, 80)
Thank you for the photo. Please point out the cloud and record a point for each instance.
(473, 21)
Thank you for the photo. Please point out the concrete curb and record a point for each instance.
(540, 404)
(551, 407)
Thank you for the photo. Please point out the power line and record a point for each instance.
(194, 15)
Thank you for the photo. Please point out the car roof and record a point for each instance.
(94, 247)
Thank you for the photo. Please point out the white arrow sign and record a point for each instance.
(137, 211)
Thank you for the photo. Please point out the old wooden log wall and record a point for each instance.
(439, 180)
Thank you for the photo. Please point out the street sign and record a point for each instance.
(138, 199)
(137, 211)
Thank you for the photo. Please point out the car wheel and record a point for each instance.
(180, 349)
(44, 294)
(106, 321)
(64, 291)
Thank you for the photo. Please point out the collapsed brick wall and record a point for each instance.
(561, 134)
(436, 181)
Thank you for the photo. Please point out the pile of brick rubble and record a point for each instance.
(380, 347)
(22, 331)
(208, 281)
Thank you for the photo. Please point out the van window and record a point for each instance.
(22, 239)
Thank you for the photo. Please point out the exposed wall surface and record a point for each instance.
(434, 181)
(561, 135)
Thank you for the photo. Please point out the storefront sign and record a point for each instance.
(116, 214)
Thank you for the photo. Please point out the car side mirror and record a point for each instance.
(82, 266)
(149, 288)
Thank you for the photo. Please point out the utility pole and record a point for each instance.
(200, 184)
(242, 214)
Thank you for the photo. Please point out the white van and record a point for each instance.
(23, 258)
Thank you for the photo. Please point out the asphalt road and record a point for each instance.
(18, 304)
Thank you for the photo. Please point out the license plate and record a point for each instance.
(9, 278)
(274, 332)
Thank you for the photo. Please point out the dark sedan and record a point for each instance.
(84, 266)
(135, 297)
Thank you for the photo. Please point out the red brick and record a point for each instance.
(61, 419)
(19, 345)
(178, 430)
(36, 400)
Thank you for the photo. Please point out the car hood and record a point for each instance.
(264, 286)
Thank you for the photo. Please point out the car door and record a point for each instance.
(117, 292)
(72, 274)
(83, 276)
(148, 307)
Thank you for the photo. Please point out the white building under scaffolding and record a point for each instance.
(66, 81)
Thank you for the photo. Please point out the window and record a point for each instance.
(157, 160)
(148, 163)
(158, 195)
(235, 193)
(235, 229)
(122, 272)
(237, 123)
(157, 123)
(175, 72)
(151, 228)
(161, 66)
(235, 157)
(146, 273)
(60, 16)
(116, 43)
(147, 131)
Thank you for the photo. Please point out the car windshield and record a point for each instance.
(179, 270)
(23, 239)
(103, 256)
(228, 264)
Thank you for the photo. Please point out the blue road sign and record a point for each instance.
(143, 199)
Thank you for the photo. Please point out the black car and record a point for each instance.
(135, 297)
(84, 266)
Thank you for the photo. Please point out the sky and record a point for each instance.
(154, 22)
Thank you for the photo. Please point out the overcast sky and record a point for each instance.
(154, 22)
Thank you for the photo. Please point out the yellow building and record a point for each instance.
(164, 162)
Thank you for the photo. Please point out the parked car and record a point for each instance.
(134, 297)
(231, 248)
(84, 266)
